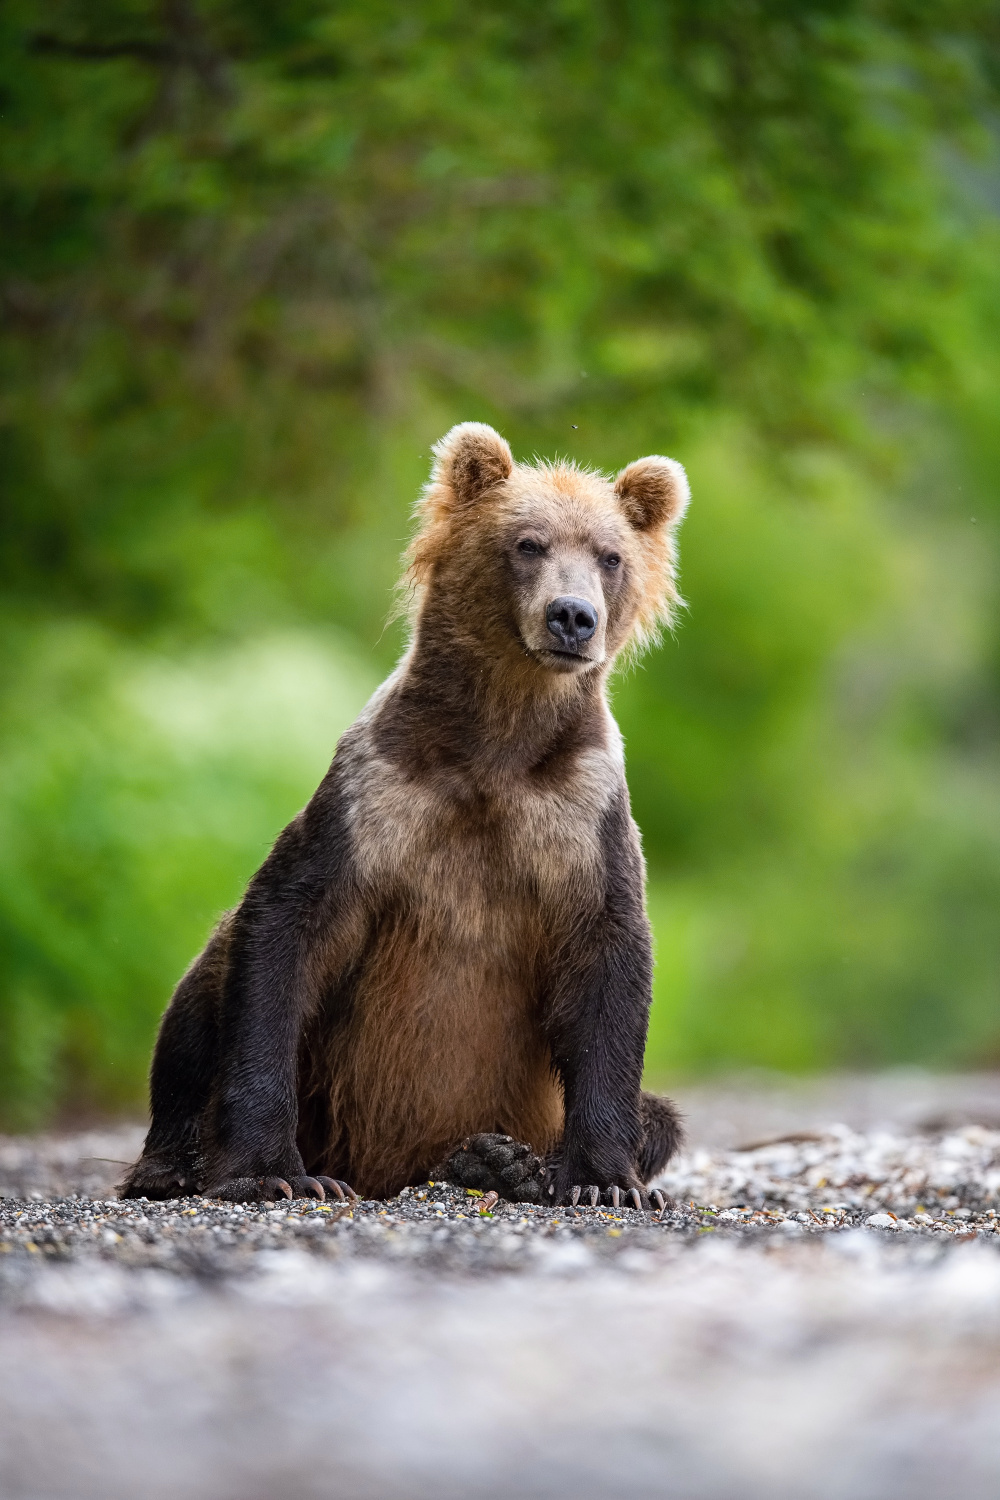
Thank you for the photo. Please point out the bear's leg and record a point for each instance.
(182, 1078)
(662, 1134)
(598, 991)
(180, 1083)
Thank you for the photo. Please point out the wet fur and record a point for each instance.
(451, 937)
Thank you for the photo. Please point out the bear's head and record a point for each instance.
(545, 563)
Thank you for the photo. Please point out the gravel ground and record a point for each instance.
(817, 1315)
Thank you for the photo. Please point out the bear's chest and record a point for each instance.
(474, 859)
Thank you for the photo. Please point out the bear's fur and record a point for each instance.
(449, 943)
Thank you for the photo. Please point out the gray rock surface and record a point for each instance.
(816, 1316)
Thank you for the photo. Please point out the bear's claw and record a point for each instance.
(341, 1190)
(612, 1196)
(267, 1189)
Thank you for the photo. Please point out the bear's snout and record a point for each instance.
(571, 621)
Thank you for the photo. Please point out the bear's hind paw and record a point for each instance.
(496, 1163)
(151, 1178)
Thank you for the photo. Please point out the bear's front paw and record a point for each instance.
(269, 1189)
(626, 1191)
(499, 1164)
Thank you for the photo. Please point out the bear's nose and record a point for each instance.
(571, 621)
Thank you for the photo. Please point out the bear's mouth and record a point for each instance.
(556, 659)
(553, 651)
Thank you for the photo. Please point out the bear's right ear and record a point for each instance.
(469, 460)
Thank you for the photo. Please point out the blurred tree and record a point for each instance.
(255, 258)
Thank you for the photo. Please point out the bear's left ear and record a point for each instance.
(653, 492)
(470, 459)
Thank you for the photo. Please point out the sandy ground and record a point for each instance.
(816, 1316)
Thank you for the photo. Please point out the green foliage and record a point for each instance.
(256, 258)
(139, 793)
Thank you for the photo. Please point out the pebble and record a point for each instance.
(847, 1172)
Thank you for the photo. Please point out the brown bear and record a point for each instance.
(445, 959)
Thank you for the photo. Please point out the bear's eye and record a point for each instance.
(528, 547)
(612, 560)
